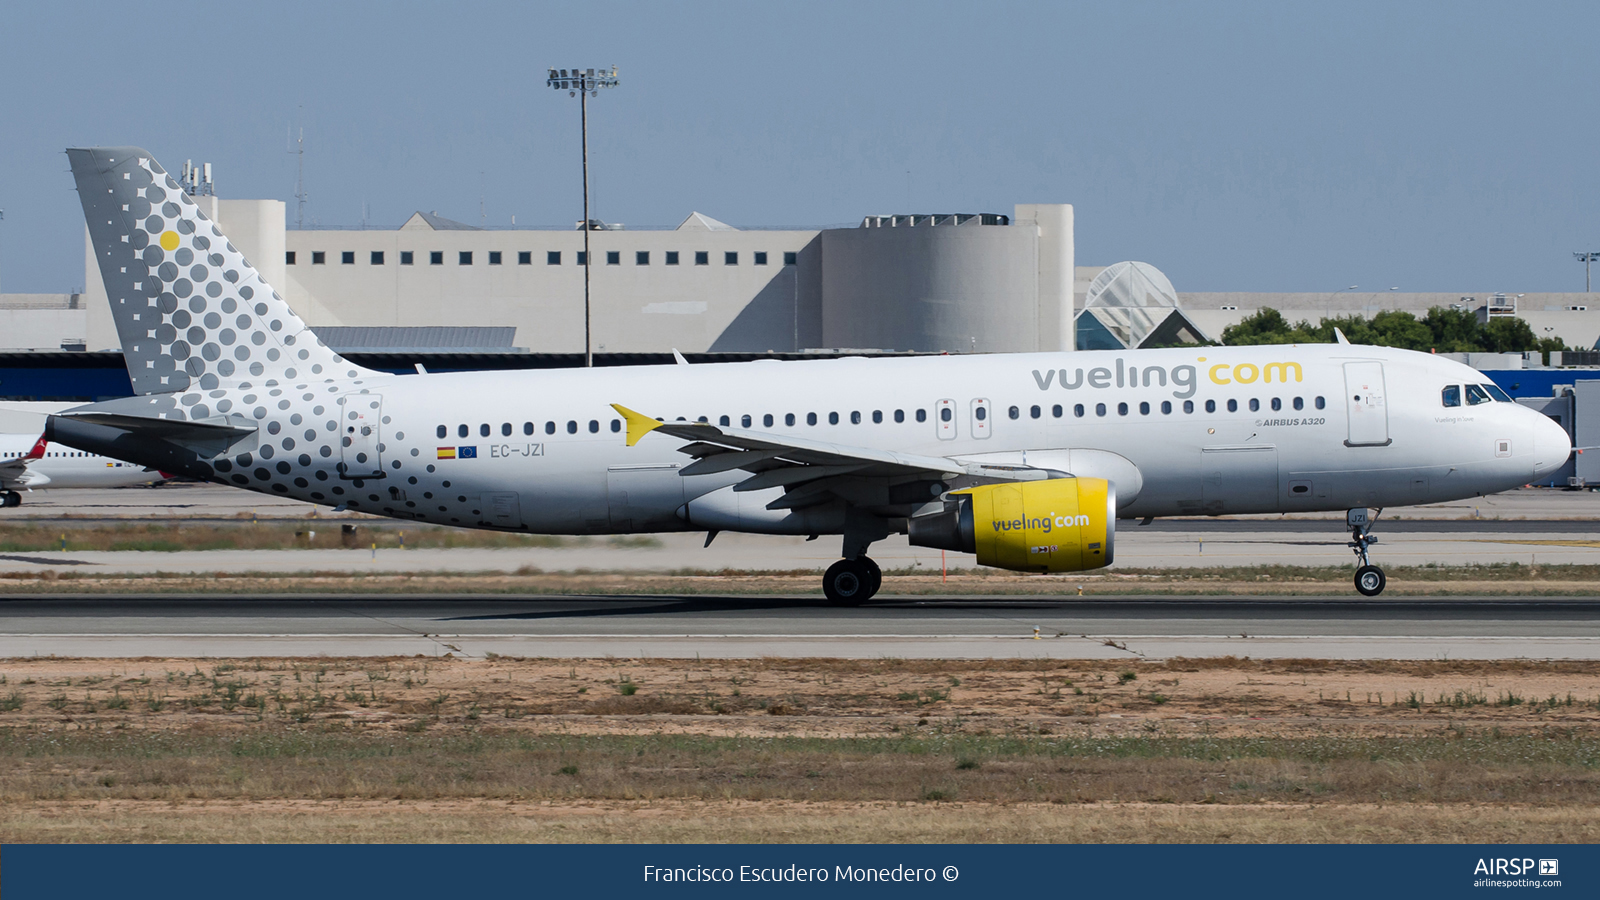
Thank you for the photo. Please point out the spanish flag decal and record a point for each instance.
(447, 453)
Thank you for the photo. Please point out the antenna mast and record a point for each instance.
(299, 149)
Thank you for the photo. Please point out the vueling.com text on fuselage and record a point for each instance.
(1184, 378)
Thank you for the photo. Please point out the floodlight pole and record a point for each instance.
(584, 84)
(1586, 259)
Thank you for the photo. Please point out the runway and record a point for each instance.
(749, 627)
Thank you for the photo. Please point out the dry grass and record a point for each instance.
(673, 821)
(305, 534)
(803, 750)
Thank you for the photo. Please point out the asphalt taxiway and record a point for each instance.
(749, 627)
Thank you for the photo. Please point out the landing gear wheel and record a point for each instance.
(9, 499)
(1370, 581)
(875, 575)
(848, 582)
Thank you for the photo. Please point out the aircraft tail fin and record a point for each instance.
(37, 452)
(190, 309)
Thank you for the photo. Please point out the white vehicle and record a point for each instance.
(1026, 460)
(27, 462)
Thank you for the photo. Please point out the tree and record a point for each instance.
(1441, 330)
(1507, 334)
(1454, 330)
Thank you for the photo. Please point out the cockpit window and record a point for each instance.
(1495, 392)
(1451, 395)
(1476, 394)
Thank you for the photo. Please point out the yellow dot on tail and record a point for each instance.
(169, 240)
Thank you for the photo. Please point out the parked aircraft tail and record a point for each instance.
(190, 309)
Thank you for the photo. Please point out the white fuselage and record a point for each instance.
(1335, 427)
(65, 467)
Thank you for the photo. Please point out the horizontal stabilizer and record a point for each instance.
(207, 438)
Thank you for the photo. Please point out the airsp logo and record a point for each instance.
(1501, 866)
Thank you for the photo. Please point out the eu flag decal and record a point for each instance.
(466, 452)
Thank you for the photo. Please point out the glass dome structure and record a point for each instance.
(1131, 305)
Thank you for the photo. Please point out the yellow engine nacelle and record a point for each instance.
(1058, 525)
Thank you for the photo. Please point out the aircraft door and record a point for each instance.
(643, 498)
(502, 509)
(1239, 479)
(360, 453)
(1364, 398)
(944, 417)
(980, 418)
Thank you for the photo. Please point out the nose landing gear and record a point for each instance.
(1370, 579)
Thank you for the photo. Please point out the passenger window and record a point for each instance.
(1188, 406)
(877, 417)
(1321, 403)
(833, 418)
(1495, 392)
(788, 419)
(744, 421)
(945, 414)
(1476, 395)
(981, 413)
(899, 415)
(1077, 410)
(811, 418)
(1014, 413)
(855, 417)
(1166, 407)
(1299, 403)
(1451, 395)
(1099, 409)
(1276, 404)
(1144, 409)
(616, 425)
(922, 415)
(443, 431)
(766, 420)
(505, 429)
(484, 429)
(463, 431)
(527, 428)
(1056, 411)
(549, 428)
(572, 427)
(1035, 412)
(1255, 405)
(1233, 406)
(724, 421)
(1122, 409)
(594, 426)
(1211, 406)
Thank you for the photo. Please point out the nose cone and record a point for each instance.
(1551, 447)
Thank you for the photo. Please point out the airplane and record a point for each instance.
(27, 462)
(1026, 460)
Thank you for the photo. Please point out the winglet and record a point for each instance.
(38, 449)
(639, 424)
(1339, 336)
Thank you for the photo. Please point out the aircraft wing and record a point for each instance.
(13, 472)
(813, 471)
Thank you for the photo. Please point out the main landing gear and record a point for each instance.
(1369, 578)
(852, 582)
(10, 499)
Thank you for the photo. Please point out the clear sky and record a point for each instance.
(1237, 146)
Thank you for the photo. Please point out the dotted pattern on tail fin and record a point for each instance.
(190, 309)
